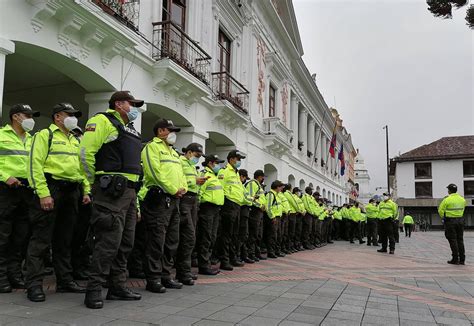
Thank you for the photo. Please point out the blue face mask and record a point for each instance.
(216, 168)
(132, 114)
(194, 160)
(237, 164)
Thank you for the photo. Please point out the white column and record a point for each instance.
(294, 121)
(311, 135)
(302, 130)
(191, 135)
(6, 47)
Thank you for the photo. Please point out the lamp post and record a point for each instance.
(388, 159)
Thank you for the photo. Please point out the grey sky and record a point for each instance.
(390, 62)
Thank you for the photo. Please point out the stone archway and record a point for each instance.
(292, 180)
(271, 173)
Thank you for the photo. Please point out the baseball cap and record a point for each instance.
(212, 158)
(244, 173)
(193, 147)
(165, 124)
(125, 96)
(277, 184)
(23, 108)
(259, 173)
(68, 108)
(452, 186)
(235, 153)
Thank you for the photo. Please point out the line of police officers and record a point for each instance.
(185, 217)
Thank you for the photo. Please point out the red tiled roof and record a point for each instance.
(444, 148)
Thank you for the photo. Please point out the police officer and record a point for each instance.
(55, 176)
(291, 218)
(388, 211)
(110, 158)
(211, 199)
(243, 232)
(230, 212)
(254, 189)
(408, 224)
(310, 207)
(372, 213)
(15, 195)
(355, 230)
(164, 185)
(273, 214)
(283, 240)
(301, 212)
(451, 210)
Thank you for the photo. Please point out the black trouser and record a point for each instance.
(328, 229)
(396, 232)
(454, 232)
(113, 225)
(407, 229)
(136, 260)
(354, 231)
(291, 230)
(386, 233)
(336, 229)
(298, 230)
(306, 229)
(160, 213)
(255, 221)
(187, 235)
(14, 229)
(283, 232)
(242, 251)
(56, 228)
(208, 223)
(273, 227)
(372, 231)
(348, 227)
(318, 230)
(225, 244)
(81, 249)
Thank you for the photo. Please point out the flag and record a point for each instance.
(332, 148)
(341, 158)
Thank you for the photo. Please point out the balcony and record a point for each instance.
(125, 11)
(170, 41)
(225, 87)
(278, 138)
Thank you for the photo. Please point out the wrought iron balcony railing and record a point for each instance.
(126, 11)
(226, 87)
(170, 41)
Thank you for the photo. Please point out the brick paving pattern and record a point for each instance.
(339, 284)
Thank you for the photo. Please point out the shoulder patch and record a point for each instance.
(91, 127)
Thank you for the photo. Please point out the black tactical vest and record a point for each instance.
(124, 153)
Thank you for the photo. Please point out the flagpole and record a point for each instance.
(388, 159)
(332, 136)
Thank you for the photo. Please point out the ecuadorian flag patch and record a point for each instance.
(90, 127)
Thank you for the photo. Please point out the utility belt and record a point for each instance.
(155, 194)
(190, 194)
(63, 185)
(114, 185)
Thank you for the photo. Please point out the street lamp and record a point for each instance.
(388, 159)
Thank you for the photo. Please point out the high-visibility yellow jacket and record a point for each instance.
(284, 203)
(211, 191)
(354, 213)
(322, 212)
(161, 168)
(60, 160)
(345, 213)
(337, 215)
(233, 187)
(452, 206)
(300, 203)
(248, 200)
(190, 173)
(14, 153)
(408, 220)
(291, 201)
(310, 204)
(372, 210)
(388, 209)
(99, 131)
(274, 207)
(255, 190)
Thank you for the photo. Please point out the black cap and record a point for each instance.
(125, 96)
(66, 107)
(244, 173)
(235, 153)
(193, 147)
(212, 158)
(277, 184)
(23, 108)
(165, 124)
(386, 194)
(452, 186)
(258, 173)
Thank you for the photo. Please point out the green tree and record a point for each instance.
(444, 9)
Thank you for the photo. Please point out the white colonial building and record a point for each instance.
(422, 175)
(229, 72)
(362, 179)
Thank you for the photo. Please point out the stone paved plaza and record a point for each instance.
(340, 284)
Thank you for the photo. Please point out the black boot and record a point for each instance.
(71, 287)
(5, 287)
(124, 294)
(208, 271)
(453, 261)
(93, 300)
(36, 294)
(227, 267)
(155, 287)
(171, 284)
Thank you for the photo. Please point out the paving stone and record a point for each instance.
(293, 323)
(345, 315)
(381, 313)
(122, 322)
(269, 313)
(406, 322)
(281, 306)
(208, 322)
(165, 309)
(240, 310)
(348, 308)
(380, 320)
(178, 321)
(227, 316)
(146, 317)
(339, 322)
(312, 311)
(317, 304)
(251, 303)
(417, 317)
(452, 321)
(260, 321)
(383, 306)
(305, 318)
(33, 322)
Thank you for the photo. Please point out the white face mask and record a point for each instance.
(28, 124)
(386, 197)
(70, 123)
(171, 138)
